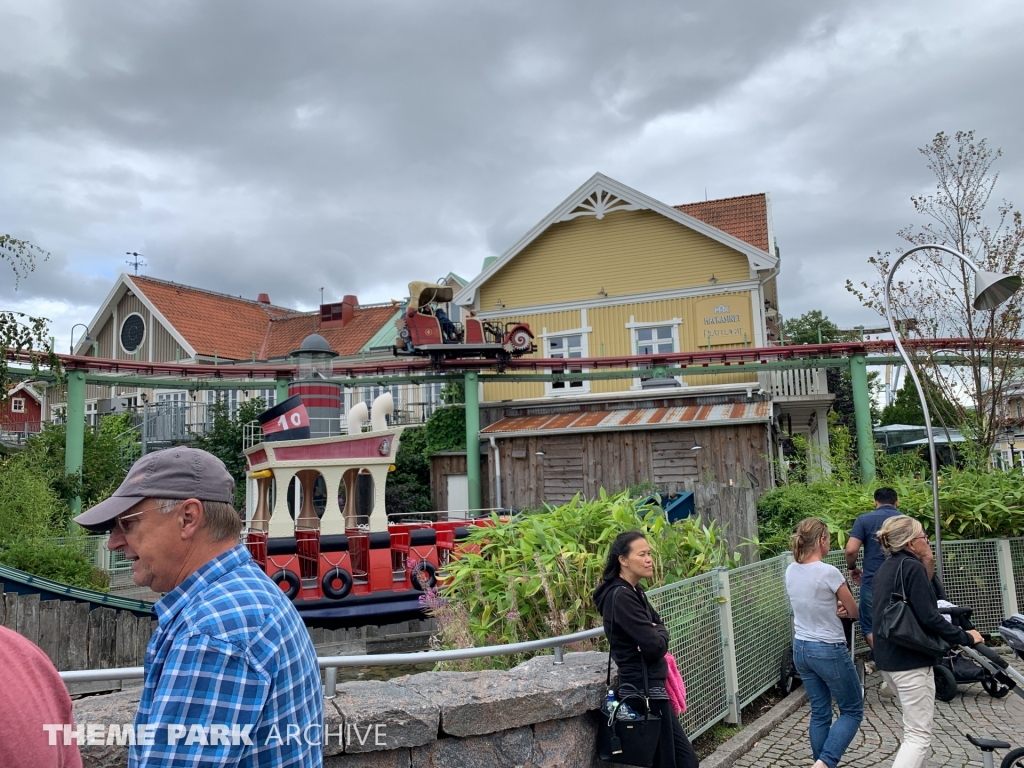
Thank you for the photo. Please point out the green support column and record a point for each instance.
(74, 439)
(862, 415)
(473, 439)
(282, 389)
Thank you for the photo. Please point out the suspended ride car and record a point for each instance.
(425, 330)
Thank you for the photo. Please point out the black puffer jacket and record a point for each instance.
(638, 630)
(921, 594)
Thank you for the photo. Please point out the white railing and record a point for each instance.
(796, 382)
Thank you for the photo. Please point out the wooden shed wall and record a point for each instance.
(444, 464)
(586, 462)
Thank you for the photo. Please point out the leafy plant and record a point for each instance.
(973, 505)
(534, 576)
(67, 563)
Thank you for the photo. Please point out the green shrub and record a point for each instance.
(973, 505)
(67, 564)
(29, 507)
(533, 576)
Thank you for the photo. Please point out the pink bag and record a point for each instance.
(675, 685)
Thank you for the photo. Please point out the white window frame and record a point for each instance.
(633, 326)
(567, 390)
(17, 405)
(143, 340)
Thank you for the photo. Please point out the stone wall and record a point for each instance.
(532, 716)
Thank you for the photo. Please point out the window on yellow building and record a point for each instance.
(571, 345)
(658, 339)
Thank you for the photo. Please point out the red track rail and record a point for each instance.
(699, 358)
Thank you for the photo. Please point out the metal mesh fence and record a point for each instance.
(761, 624)
(693, 619)
(972, 578)
(1017, 561)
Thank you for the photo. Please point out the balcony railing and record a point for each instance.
(798, 382)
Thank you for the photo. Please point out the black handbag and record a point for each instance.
(901, 627)
(628, 742)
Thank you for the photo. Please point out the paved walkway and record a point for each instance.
(973, 711)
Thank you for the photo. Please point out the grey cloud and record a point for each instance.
(250, 146)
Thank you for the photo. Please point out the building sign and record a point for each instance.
(723, 319)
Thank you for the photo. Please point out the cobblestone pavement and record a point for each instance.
(972, 711)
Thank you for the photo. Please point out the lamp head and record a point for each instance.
(991, 289)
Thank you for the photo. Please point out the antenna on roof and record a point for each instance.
(321, 296)
(136, 262)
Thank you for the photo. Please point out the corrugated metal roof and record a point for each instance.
(641, 418)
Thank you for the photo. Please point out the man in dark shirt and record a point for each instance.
(865, 531)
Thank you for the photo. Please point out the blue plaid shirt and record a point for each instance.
(230, 651)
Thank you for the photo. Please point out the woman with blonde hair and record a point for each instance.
(909, 673)
(819, 594)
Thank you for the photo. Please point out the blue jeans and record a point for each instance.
(828, 673)
(864, 610)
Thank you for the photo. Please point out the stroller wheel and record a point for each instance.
(945, 684)
(994, 688)
(1013, 759)
(788, 674)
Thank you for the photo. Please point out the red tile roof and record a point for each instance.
(744, 217)
(234, 328)
(287, 333)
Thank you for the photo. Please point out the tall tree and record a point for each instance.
(936, 289)
(22, 335)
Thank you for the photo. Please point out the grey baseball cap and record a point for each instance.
(173, 473)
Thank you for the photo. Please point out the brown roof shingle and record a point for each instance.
(234, 328)
(744, 217)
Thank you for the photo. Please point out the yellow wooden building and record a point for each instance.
(613, 272)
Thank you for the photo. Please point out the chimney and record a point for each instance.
(263, 298)
(348, 309)
(338, 314)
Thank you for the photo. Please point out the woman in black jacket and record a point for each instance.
(640, 633)
(909, 673)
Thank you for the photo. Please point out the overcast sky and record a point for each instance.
(249, 146)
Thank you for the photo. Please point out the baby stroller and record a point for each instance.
(977, 664)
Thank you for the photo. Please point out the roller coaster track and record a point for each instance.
(813, 354)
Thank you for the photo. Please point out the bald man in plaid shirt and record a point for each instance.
(231, 675)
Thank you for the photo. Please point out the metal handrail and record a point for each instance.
(331, 663)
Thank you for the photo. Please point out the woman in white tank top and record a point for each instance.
(817, 591)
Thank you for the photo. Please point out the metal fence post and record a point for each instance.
(1007, 584)
(732, 680)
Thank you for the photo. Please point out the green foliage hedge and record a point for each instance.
(66, 563)
(533, 576)
(973, 505)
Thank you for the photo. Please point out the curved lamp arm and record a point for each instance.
(990, 290)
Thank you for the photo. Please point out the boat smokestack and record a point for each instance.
(357, 414)
(383, 407)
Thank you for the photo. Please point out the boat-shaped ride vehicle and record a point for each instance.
(319, 527)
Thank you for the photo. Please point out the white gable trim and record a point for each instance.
(601, 195)
(26, 388)
(106, 311)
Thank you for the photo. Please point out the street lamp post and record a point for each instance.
(990, 290)
(73, 335)
(1010, 439)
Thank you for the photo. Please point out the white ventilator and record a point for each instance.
(357, 416)
(383, 407)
